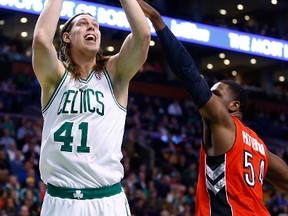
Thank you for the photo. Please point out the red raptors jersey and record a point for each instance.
(231, 184)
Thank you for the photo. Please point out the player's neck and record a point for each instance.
(86, 64)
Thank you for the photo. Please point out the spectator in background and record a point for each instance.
(25, 130)
(13, 186)
(10, 208)
(31, 150)
(9, 124)
(17, 166)
(28, 171)
(175, 109)
(6, 138)
(24, 211)
(11, 151)
(5, 168)
(29, 195)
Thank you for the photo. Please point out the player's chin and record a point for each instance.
(92, 47)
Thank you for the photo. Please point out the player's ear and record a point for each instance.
(66, 37)
(234, 106)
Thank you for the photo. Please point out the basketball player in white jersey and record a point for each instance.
(84, 98)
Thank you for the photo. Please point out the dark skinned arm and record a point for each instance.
(277, 173)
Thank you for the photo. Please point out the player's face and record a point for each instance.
(223, 92)
(85, 34)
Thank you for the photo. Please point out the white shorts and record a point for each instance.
(116, 205)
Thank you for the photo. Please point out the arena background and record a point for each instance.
(163, 127)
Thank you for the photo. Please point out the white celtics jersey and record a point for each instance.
(82, 134)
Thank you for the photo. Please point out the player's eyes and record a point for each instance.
(217, 93)
(83, 23)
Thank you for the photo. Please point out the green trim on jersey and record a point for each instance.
(55, 92)
(112, 92)
(88, 78)
(84, 193)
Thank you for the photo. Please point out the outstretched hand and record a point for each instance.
(152, 14)
(147, 9)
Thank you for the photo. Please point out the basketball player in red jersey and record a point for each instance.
(233, 161)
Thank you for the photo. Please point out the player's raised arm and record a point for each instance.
(134, 50)
(45, 62)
